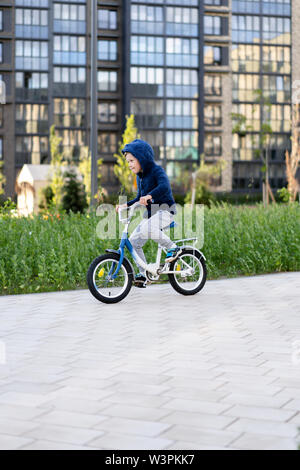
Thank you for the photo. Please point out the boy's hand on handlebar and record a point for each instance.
(120, 206)
(144, 200)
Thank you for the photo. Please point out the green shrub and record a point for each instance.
(74, 196)
(52, 252)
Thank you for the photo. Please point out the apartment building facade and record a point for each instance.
(181, 66)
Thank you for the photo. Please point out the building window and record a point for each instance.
(212, 145)
(148, 112)
(277, 88)
(32, 55)
(182, 145)
(276, 59)
(107, 112)
(182, 114)
(276, 30)
(69, 18)
(31, 80)
(251, 112)
(69, 112)
(33, 3)
(150, 75)
(245, 28)
(215, 55)
(243, 86)
(147, 19)
(212, 25)
(212, 115)
(107, 142)
(69, 75)
(181, 21)
(245, 58)
(107, 19)
(31, 149)
(107, 80)
(147, 50)
(107, 50)
(69, 50)
(190, 3)
(279, 117)
(31, 118)
(1, 52)
(182, 83)
(1, 20)
(278, 7)
(72, 143)
(69, 12)
(156, 140)
(31, 23)
(182, 52)
(215, 2)
(212, 85)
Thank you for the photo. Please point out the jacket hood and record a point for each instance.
(143, 152)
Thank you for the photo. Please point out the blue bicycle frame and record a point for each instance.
(124, 243)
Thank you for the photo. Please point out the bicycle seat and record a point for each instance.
(172, 225)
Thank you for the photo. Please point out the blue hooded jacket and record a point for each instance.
(152, 179)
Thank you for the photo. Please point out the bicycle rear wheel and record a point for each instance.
(191, 268)
(101, 283)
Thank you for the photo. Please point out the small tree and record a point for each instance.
(46, 198)
(264, 142)
(2, 179)
(241, 128)
(201, 182)
(121, 169)
(85, 168)
(74, 198)
(57, 178)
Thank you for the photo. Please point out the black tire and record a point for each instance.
(90, 278)
(172, 277)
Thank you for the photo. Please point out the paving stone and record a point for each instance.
(179, 404)
(48, 445)
(127, 442)
(259, 442)
(269, 414)
(78, 420)
(71, 435)
(202, 436)
(200, 420)
(13, 442)
(136, 412)
(268, 428)
(132, 426)
(15, 427)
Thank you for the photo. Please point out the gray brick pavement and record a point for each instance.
(219, 370)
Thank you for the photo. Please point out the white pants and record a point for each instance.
(151, 229)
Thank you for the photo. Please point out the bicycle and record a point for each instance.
(111, 275)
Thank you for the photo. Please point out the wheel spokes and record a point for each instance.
(190, 271)
(103, 281)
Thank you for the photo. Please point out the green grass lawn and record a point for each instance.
(38, 254)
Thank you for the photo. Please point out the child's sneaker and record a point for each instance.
(173, 254)
(140, 280)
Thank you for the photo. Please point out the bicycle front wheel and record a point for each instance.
(101, 282)
(191, 272)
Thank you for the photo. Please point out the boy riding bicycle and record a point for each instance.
(153, 187)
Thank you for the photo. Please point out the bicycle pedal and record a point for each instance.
(140, 284)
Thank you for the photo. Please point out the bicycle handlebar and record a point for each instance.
(131, 210)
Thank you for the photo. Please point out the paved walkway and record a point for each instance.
(220, 370)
